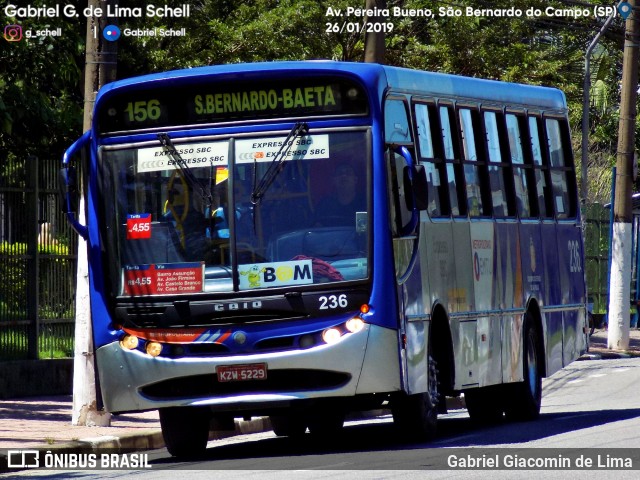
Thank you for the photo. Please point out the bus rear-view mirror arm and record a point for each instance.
(69, 185)
(414, 184)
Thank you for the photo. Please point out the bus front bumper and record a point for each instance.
(359, 363)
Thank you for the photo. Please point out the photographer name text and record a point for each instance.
(110, 11)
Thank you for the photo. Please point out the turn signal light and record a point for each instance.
(129, 342)
(154, 348)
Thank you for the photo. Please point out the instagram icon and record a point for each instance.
(13, 33)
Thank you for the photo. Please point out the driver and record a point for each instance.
(340, 206)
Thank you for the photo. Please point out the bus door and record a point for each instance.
(404, 179)
(406, 189)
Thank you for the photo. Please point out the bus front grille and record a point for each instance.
(281, 381)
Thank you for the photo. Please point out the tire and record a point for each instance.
(484, 405)
(288, 425)
(416, 416)
(326, 425)
(185, 430)
(526, 397)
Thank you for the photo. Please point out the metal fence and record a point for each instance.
(597, 226)
(37, 263)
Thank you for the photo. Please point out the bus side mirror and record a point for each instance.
(68, 190)
(415, 184)
(69, 186)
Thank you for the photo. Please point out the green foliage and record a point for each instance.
(13, 271)
(221, 31)
(50, 344)
(40, 92)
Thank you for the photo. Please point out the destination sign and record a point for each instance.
(211, 102)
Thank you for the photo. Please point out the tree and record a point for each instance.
(40, 89)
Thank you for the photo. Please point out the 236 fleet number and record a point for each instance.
(333, 301)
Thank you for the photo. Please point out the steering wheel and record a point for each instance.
(333, 221)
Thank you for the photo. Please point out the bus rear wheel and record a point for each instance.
(526, 397)
(416, 416)
(185, 430)
(483, 405)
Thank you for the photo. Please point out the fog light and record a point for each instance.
(331, 335)
(177, 350)
(355, 325)
(129, 342)
(307, 341)
(154, 348)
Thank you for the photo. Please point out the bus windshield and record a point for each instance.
(310, 227)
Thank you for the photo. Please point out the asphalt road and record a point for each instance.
(590, 408)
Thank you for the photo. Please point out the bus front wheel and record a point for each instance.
(293, 425)
(326, 424)
(416, 416)
(185, 430)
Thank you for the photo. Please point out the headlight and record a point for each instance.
(129, 342)
(331, 335)
(355, 324)
(154, 348)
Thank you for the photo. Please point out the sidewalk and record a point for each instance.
(45, 422)
(598, 345)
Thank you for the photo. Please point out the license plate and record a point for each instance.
(242, 373)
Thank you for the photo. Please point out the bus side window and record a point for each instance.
(424, 125)
(396, 122)
(562, 195)
(397, 132)
(518, 163)
(451, 155)
(542, 187)
(473, 164)
(496, 176)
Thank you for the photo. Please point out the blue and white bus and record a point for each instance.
(305, 239)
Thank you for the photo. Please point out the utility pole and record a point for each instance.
(374, 40)
(100, 68)
(620, 281)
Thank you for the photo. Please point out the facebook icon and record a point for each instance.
(111, 33)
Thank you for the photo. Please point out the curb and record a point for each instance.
(604, 354)
(148, 440)
(153, 440)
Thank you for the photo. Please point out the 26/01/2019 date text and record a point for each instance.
(355, 27)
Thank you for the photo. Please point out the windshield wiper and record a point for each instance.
(199, 187)
(277, 164)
